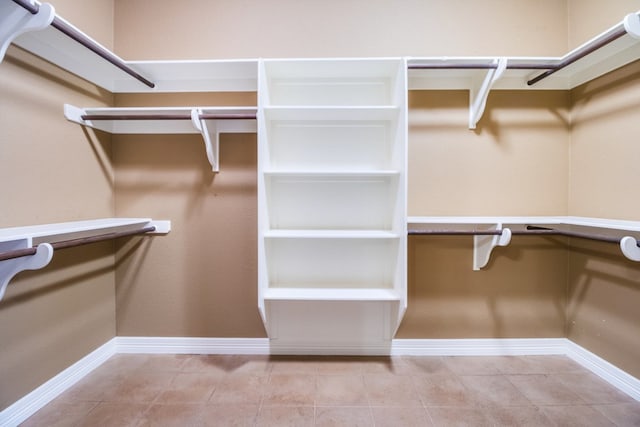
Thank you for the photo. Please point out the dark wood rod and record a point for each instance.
(206, 116)
(530, 231)
(76, 35)
(579, 54)
(473, 66)
(63, 244)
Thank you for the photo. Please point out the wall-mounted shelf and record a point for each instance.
(489, 232)
(210, 122)
(36, 28)
(32, 247)
(612, 49)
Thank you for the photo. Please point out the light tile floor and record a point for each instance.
(196, 390)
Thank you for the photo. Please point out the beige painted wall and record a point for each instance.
(200, 29)
(604, 287)
(52, 171)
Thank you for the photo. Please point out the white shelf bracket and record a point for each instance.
(483, 245)
(10, 267)
(74, 114)
(629, 247)
(478, 94)
(212, 147)
(632, 25)
(15, 20)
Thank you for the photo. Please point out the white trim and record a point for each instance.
(479, 347)
(605, 370)
(41, 396)
(186, 345)
(38, 398)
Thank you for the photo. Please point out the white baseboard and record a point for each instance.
(38, 398)
(605, 370)
(29, 404)
(479, 347)
(186, 345)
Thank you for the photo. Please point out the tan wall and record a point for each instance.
(588, 18)
(52, 171)
(200, 280)
(604, 287)
(148, 29)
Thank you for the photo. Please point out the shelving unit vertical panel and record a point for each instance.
(263, 212)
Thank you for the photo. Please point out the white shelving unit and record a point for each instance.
(331, 202)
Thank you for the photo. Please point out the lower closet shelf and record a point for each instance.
(330, 294)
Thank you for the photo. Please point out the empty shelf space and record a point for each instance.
(331, 201)
(333, 82)
(363, 262)
(337, 144)
(333, 294)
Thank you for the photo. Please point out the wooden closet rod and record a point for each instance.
(74, 34)
(74, 242)
(475, 66)
(206, 116)
(531, 230)
(579, 54)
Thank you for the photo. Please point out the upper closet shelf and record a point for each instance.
(489, 232)
(36, 28)
(32, 247)
(210, 122)
(606, 52)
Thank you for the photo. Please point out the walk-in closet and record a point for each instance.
(319, 213)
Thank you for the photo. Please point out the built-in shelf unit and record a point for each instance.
(331, 201)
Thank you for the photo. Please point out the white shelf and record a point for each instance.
(607, 58)
(35, 244)
(330, 234)
(343, 293)
(170, 120)
(237, 75)
(160, 125)
(614, 224)
(484, 244)
(333, 174)
(308, 81)
(331, 112)
(35, 234)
